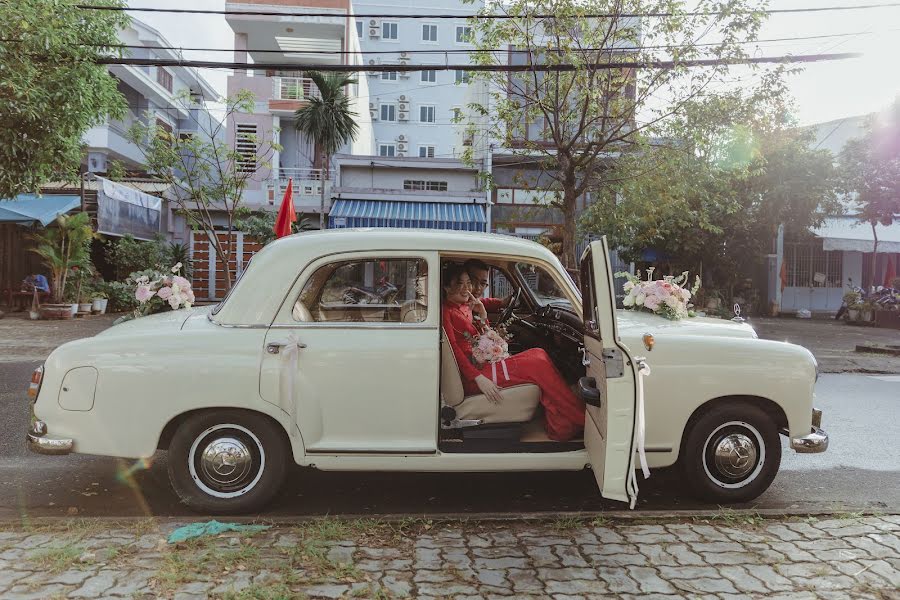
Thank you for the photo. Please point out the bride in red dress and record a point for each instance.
(563, 409)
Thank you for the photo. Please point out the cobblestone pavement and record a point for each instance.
(732, 555)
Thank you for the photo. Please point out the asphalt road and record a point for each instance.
(860, 471)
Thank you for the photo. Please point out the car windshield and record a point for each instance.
(542, 285)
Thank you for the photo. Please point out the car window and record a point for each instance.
(542, 284)
(388, 290)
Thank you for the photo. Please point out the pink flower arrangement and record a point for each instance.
(489, 347)
(154, 290)
(666, 297)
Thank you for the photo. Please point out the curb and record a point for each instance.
(610, 517)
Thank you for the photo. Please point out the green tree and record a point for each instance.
(51, 91)
(261, 226)
(870, 169)
(328, 121)
(64, 246)
(715, 183)
(573, 120)
(207, 176)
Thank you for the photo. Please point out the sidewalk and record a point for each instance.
(833, 343)
(728, 556)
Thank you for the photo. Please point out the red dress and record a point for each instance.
(564, 410)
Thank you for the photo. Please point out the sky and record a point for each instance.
(822, 92)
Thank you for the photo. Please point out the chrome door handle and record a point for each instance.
(275, 347)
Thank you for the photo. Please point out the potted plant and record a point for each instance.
(99, 301)
(853, 300)
(867, 311)
(60, 248)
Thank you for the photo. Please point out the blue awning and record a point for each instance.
(28, 209)
(402, 214)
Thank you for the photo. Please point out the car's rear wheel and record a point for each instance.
(731, 453)
(228, 461)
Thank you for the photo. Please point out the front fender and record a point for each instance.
(689, 371)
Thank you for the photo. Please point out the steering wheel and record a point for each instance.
(513, 302)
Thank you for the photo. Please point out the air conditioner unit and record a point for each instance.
(402, 98)
(401, 138)
(373, 114)
(404, 54)
(371, 105)
(373, 23)
(401, 154)
(401, 146)
(404, 74)
(403, 116)
(374, 32)
(403, 106)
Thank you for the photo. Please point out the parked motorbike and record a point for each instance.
(384, 293)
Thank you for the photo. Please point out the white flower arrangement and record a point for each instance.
(667, 297)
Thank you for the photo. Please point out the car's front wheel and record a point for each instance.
(731, 453)
(228, 461)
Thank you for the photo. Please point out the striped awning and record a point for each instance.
(402, 214)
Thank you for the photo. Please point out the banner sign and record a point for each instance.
(124, 210)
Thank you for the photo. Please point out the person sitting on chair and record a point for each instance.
(564, 411)
(479, 276)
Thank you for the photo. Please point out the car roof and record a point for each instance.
(276, 266)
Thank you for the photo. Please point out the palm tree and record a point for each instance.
(328, 121)
(65, 246)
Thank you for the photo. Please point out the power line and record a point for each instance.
(449, 51)
(272, 13)
(629, 64)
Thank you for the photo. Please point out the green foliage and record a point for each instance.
(63, 246)
(120, 294)
(328, 120)
(207, 175)
(128, 255)
(571, 121)
(51, 92)
(714, 185)
(262, 226)
(870, 172)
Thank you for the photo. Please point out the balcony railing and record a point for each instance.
(294, 88)
(306, 183)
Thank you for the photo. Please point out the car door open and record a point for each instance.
(608, 385)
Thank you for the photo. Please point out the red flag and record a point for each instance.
(286, 214)
(890, 272)
(783, 275)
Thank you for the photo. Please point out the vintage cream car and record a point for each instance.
(328, 353)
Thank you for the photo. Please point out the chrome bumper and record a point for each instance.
(814, 442)
(37, 441)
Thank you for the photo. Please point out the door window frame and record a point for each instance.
(284, 318)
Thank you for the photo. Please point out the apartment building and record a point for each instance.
(413, 113)
(290, 37)
(151, 94)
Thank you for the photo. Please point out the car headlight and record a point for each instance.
(37, 377)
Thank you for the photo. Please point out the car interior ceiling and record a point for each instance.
(558, 330)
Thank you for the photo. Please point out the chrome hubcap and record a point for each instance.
(735, 455)
(226, 462)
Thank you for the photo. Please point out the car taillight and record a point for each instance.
(35, 386)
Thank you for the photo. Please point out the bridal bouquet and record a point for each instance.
(489, 347)
(667, 297)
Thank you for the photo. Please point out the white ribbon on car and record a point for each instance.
(640, 427)
(494, 371)
(290, 353)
